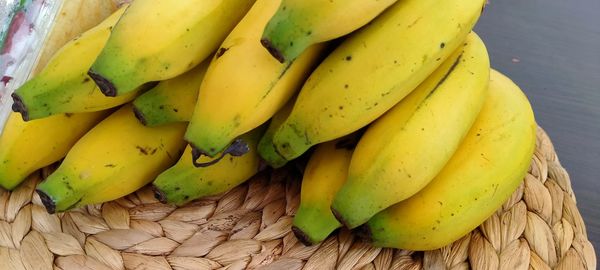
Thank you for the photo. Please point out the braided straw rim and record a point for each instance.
(539, 227)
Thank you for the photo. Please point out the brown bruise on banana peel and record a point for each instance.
(106, 87)
(445, 76)
(19, 107)
(146, 150)
(272, 50)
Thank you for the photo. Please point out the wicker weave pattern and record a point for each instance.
(249, 227)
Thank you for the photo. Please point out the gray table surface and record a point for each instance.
(551, 48)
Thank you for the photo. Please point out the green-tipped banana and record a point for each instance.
(266, 149)
(184, 182)
(159, 40)
(115, 158)
(28, 146)
(86, 14)
(483, 173)
(63, 85)
(401, 152)
(375, 68)
(244, 85)
(298, 24)
(172, 100)
(324, 175)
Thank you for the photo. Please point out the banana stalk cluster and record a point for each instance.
(411, 137)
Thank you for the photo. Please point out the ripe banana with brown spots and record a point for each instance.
(486, 169)
(375, 68)
(115, 158)
(401, 152)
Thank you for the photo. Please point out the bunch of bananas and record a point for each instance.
(415, 140)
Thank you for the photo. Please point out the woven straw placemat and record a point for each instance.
(539, 227)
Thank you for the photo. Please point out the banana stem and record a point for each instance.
(19, 107)
(237, 149)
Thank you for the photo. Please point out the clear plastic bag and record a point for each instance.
(24, 27)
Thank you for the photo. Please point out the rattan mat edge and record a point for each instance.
(539, 227)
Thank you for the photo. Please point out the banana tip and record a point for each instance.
(47, 201)
(106, 87)
(140, 116)
(302, 237)
(272, 50)
(159, 195)
(19, 106)
(364, 232)
(339, 217)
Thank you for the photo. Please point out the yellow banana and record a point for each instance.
(244, 85)
(115, 158)
(184, 182)
(28, 146)
(266, 149)
(404, 149)
(63, 85)
(74, 18)
(159, 40)
(298, 24)
(374, 69)
(324, 175)
(172, 100)
(487, 168)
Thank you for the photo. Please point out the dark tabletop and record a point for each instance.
(551, 48)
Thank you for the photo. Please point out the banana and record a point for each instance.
(402, 151)
(266, 149)
(115, 158)
(172, 100)
(184, 182)
(324, 175)
(244, 85)
(298, 24)
(28, 146)
(74, 18)
(487, 168)
(63, 85)
(374, 69)
(159, 40)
